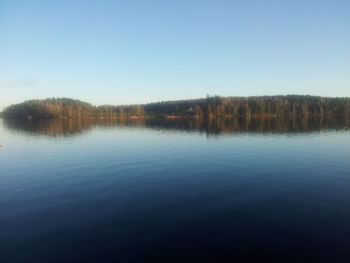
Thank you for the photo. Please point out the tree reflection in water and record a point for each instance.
(212, 127)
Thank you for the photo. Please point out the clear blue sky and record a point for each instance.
(116, 52)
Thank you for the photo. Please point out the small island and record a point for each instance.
(209, 107)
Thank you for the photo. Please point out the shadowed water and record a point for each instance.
(181, 190)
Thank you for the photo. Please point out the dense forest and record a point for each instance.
(212, 106)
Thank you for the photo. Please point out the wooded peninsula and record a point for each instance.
(209, 107)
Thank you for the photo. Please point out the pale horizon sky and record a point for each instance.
(128, 52)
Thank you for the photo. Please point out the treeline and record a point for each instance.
(49, 108)
(212, 106)
(66, 108)
(253, 106)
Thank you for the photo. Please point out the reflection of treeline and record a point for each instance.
(66, 127)
(281, 124)
(211, 126)
(265, 106)
(52, 127)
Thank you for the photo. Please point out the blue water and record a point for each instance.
(163, 193)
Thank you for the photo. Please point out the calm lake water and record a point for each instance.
(175, 191)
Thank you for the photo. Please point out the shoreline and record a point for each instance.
(172, 117)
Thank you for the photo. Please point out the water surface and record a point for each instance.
(175, 191)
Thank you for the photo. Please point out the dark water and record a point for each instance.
(267, 190)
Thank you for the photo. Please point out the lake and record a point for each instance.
(179, 190)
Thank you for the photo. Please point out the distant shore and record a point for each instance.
(209, 107)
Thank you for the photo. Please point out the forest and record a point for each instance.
(209, 107)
